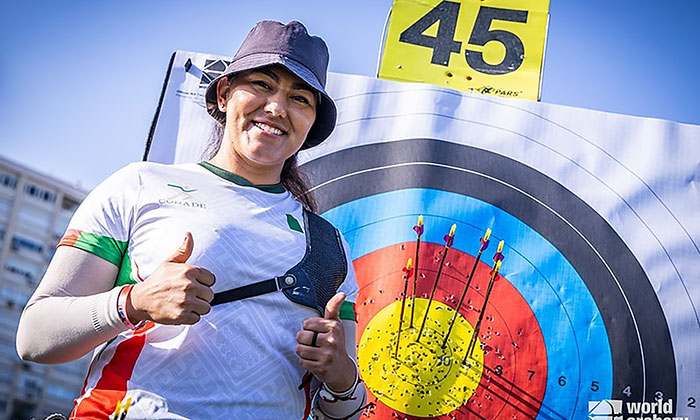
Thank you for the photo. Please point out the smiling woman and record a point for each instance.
(268, 114)
(203, 332)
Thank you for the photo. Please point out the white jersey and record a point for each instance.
(238, 361)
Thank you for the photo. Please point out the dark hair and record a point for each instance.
(291, 177)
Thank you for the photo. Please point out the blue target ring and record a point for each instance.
(569, 318)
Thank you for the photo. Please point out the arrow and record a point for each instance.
(419, 231)
(449, 239)
(484, 244)
(498, 258)
(407, 270)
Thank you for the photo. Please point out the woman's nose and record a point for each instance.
(276, 105)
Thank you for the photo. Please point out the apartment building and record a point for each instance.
(34, 212)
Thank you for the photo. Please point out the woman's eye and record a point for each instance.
(261, 84)
(301, 99)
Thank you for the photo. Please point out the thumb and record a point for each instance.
(333, 306)
(182, 254)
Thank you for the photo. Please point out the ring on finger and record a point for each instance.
(314, 338)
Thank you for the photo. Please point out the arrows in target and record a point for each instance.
(449, 240)
(498, 259)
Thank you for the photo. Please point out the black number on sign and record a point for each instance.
(594, 386)
(532, 373)
(482, 34)
(562, 380)
(498, 370)
(443, 44)
(691, 402)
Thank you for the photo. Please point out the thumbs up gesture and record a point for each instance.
(176, 293)
(321, 348)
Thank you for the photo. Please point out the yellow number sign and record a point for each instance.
(489, 46)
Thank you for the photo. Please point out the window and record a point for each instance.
(19, 242)
(69, 204)
(29, 275)
(39, 193)
(13, 298)
(8, 180)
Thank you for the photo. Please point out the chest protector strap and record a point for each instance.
(314, 280)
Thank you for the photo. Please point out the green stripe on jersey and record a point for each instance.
(104, 247)
(239, 180)
(293, 223)
(126, 274)
(347, 311)
(111, 250)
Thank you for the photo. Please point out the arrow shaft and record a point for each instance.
(403, 304)
(415, 282)
(432, 292)
(461, 299)
(470, 349)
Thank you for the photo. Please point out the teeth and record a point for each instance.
(268, 129)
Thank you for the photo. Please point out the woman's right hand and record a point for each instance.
(176, 293)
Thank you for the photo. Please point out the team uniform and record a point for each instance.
(238, 361)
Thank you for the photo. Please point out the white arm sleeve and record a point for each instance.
(73, 310)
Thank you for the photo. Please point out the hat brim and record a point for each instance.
(326, 112)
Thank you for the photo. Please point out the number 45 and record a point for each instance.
(443, 44)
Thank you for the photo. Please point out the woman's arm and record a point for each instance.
(74, 309)
(70, 313)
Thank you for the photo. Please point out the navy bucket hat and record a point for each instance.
(291, 46)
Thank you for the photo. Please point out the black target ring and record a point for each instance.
(642, 352)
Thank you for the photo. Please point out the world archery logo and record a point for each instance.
(182, 198)
(212, 70)
(605, 410)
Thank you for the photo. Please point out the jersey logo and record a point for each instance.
(294, 223)
(182, 198)
(183, 189)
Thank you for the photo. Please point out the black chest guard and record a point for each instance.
(314, 280)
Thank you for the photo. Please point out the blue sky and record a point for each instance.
(80, 80)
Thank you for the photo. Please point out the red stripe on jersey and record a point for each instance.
(70, 237)
(111, 387)
(307, 393)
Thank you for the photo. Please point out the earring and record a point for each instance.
(222, 107)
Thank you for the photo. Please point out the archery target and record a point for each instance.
(598, 315)
(598, 211)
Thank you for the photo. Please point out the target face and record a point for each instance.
(571, 319)
(598, 212)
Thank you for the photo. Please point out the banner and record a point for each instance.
(494, 47)
(595, 307)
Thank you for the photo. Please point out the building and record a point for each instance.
(34, 212)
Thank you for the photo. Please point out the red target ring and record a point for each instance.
(514, 374)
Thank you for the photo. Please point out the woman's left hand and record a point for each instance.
(325, 356)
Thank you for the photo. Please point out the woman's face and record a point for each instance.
(269, 112)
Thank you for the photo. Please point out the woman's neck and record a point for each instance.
(255, 174)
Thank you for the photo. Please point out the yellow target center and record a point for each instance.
(418, 375)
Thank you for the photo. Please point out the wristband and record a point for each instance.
(122, 303)
(341, 396)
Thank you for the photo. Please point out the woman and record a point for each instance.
(162, 348)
